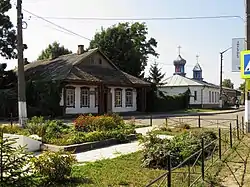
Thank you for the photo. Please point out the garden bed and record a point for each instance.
(87, 132)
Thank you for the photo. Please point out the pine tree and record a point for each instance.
(155, 74)
(15, 170)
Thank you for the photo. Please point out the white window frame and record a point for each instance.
(129, 98)
(118, 97)
(96, 97)
(85, 97)
(70, 97)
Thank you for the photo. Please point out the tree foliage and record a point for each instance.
(53, 49)
(228, 83)
(8, 91)
(7, 32)
(155, 74)
(242, 86)
(127, 46)
(15, 170)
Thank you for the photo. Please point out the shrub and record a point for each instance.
(15, 170)
(184, 126)
(91, 123)
(84, 123)
(180, 147)
(36, 125)
(54, 166)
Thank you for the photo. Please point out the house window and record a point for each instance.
(70, 97)
(215, 97)
(118, 97)
(209, 96)
(96, 97)
(85, 97)
(195, 95)
(212, 97)
(129, 98)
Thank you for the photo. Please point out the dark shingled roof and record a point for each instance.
(65, 68)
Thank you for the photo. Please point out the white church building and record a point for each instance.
(203, 94)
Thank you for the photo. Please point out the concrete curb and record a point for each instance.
(83, 147)
(158, 116)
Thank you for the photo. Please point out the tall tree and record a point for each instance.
(155, 74)
(242, 86)
(7, 32)
(227, 83)
(53, 49)
(127, 46)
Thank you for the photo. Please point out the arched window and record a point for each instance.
(118, 97)
(85, 97)
(70, 96)
(129, 97)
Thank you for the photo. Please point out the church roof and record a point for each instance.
(178, 80)
(197, 67)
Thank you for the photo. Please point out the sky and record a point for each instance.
(203, 37)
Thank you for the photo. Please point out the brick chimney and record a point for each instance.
(25, 61)
(80, 49)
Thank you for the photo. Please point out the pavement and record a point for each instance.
(114, 151)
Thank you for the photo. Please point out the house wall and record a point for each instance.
(94, 109)
(202, 95)
(96, 59)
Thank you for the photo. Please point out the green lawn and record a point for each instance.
(121, 171)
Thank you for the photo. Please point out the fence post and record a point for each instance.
(237, 127)
(242, 123)
(189, 173)
(199, 121)
(166, 121)
(169, 170)
(219, 143)
(151, 120)
(11, 119)
(230, 135)
(202, 160)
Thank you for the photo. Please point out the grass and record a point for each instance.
(179, 130)
(124, 170)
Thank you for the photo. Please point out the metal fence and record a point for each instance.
(189, 172)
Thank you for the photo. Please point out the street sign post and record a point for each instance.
(245, 74)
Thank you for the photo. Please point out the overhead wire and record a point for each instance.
(144, 18)
(59, 26)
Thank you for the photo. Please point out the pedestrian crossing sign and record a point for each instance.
(245, 64)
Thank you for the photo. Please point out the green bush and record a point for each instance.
(89, 123)
(54, 166)
(15, 169)
(180, 148)
(36, 125)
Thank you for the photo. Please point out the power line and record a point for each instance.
(52, 23)
(144, 18)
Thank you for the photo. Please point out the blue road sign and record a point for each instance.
(245, 64)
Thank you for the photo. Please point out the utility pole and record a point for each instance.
(22, 108)
(221, 61)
